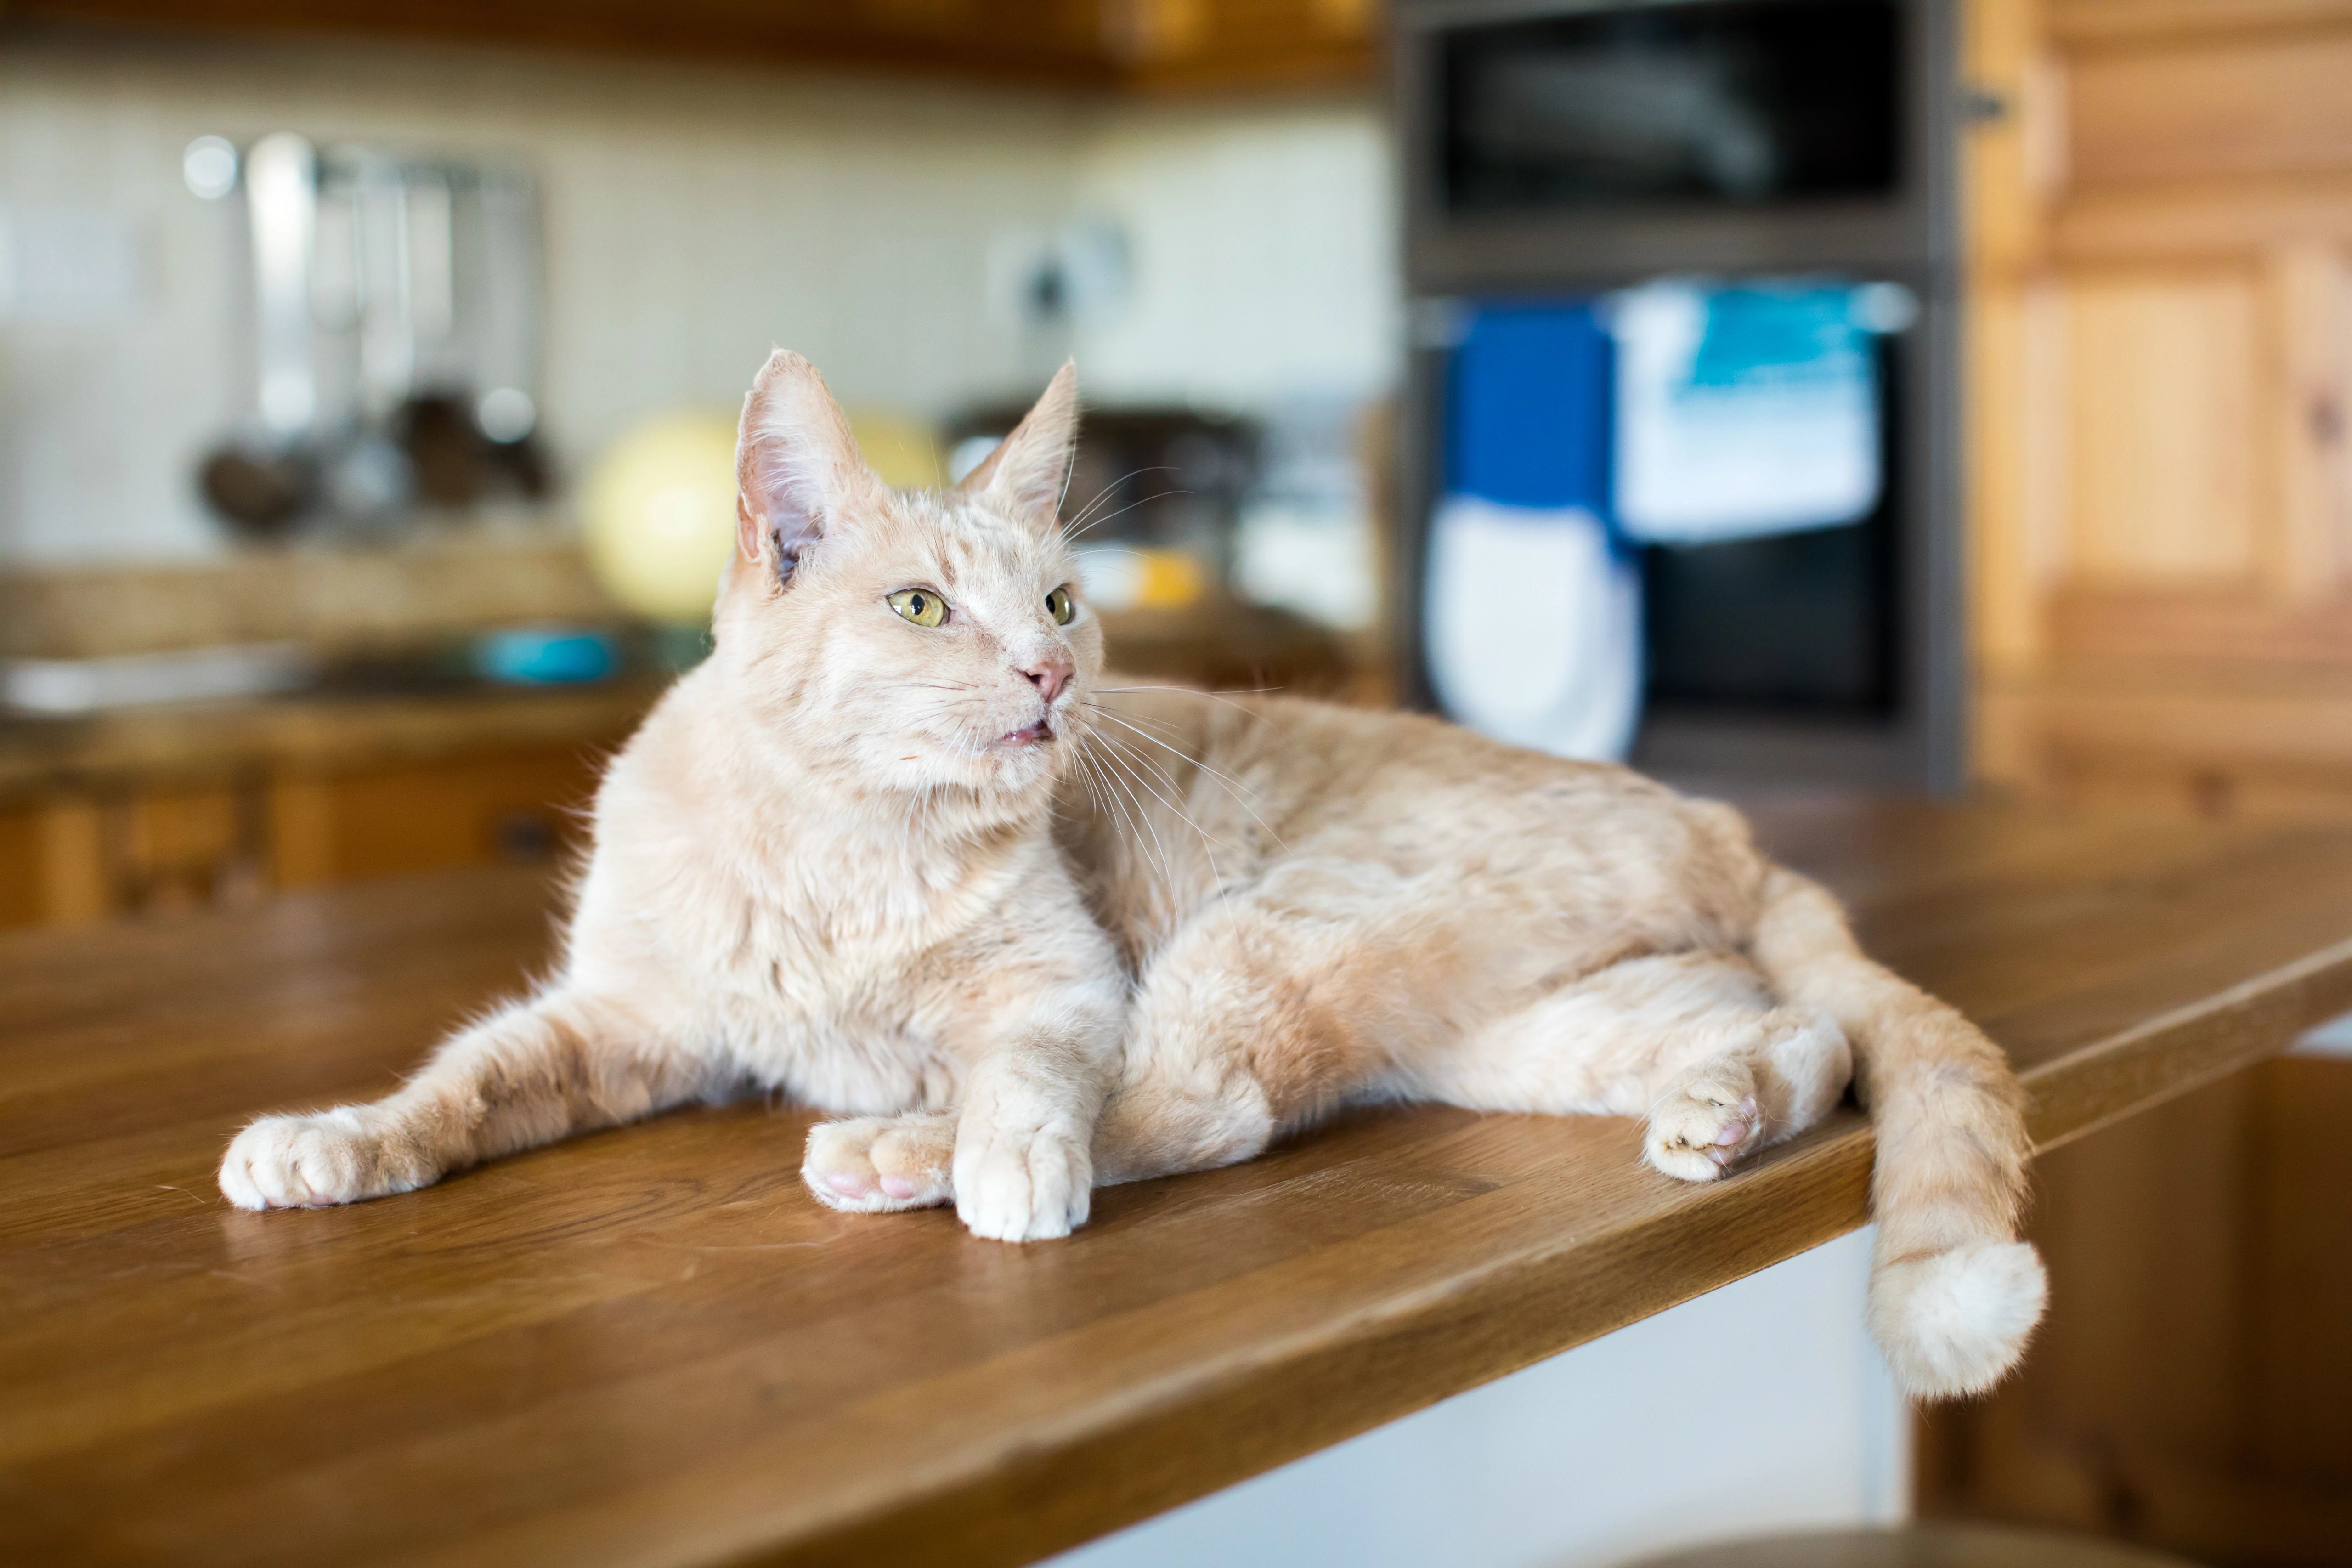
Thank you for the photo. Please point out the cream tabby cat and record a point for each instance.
(895, 851)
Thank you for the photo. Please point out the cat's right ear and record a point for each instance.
(797, 467)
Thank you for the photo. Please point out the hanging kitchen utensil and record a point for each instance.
(262, 480)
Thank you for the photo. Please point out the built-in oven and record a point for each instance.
(1751, 159)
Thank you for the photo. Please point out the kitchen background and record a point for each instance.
(936, 246)
(2121, 571)
(693, 214)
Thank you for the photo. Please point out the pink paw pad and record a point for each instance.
(847, 1186)
(897, 1187)
(1735, 1133)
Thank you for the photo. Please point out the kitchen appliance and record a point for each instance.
(1153, 500)
(1562, 155)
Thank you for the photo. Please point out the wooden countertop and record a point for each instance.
(650, 1347)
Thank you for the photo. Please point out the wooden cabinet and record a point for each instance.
(516, 806)
(153, 810)
(148, 811)
(2161, 340)
(156, 846)
(2192, 1386)
(1152, 44)
(2160, 508)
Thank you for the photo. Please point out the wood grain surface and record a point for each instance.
(649, 1347)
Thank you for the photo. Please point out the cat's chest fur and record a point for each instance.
(835, 966)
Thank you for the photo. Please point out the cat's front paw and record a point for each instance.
(1702, 1124)
(312, 1161)
(872, 1164)
(1021, 1184)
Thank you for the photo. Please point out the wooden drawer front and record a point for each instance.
(464, 810)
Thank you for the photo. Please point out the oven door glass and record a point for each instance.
(1720, 103)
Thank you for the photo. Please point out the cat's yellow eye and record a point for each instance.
(920, 605)
(1059, 605)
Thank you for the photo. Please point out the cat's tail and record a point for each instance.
(1953, 1293)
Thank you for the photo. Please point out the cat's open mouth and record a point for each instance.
(1028, 735)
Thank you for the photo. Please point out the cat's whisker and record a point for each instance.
(1122, 832)
(1119, 782)
(1226, 697)
(1070, 535)
(1232, 786)
(1107, 492)
(1142, 819)
(1179, 751)
(1216, 873)
(1145, 772)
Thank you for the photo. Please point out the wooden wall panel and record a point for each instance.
(2162, 484)
(2208, 107)
(2191, 223)
(2311, 290)
(2160, 418)
(2140, 22)
(1104, 45)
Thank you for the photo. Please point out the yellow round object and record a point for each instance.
(902, 452)
(658, 509)
(658, 514)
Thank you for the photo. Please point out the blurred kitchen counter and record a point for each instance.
(431, 580)
(156, 809)
(201, 741)
(397, 760)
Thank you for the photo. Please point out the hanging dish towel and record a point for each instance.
(1532, 615)
(1744, 411)
(1535, 627)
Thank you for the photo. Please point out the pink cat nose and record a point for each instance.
(1049, 678)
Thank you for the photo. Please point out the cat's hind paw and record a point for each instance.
(879, 1164)
(313, 1162)
(1700, 1127)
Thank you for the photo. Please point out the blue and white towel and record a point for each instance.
(1747, 410)
(1534, 627)
(1532, 614)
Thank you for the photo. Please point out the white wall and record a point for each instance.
(1265, 253)
(695, 215)
(1755, 1408)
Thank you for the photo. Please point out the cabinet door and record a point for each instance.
(53, 864)
(2160, 370)
(458, 811)
(2192, 1386)
(2161, 474)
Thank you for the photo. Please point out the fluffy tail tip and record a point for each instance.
(1953, 1323)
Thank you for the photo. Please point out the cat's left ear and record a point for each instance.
(1026, 472)
(797, 467)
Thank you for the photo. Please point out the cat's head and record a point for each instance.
(912, 638)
